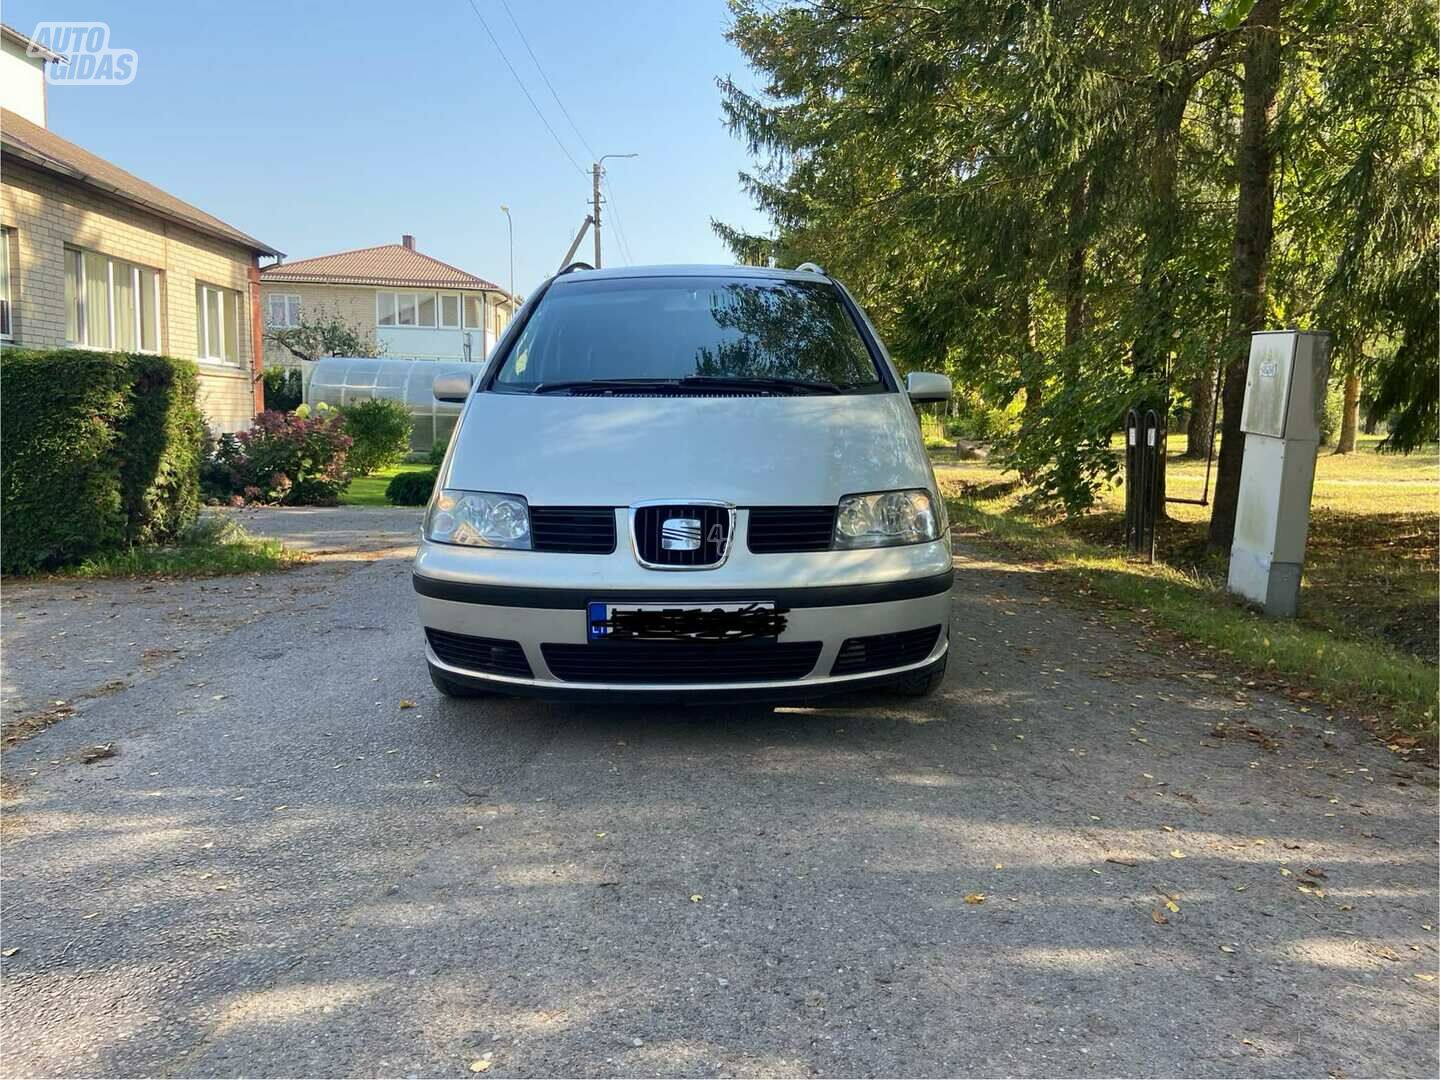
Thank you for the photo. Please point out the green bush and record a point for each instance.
(411, 488)
(437, 451)
(379, 430)
(99, 450)
(293, 460)
(284, 388)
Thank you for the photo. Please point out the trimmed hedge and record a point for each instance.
(97, 451)
(411, 488)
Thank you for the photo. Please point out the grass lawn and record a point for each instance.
(1367, 632)
(370, 490)
(214, 546)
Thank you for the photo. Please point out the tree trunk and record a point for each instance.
(1350, 416)
(1169, 97)
(1032, 369)
(1202, 413)
(1250, 259)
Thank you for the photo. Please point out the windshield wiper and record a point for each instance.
(744, 382)
(600, 386)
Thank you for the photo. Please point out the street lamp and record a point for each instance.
(506, 210)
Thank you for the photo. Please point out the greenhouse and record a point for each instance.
(344, 380)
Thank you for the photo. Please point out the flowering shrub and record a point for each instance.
(296, 460)
(284, 458)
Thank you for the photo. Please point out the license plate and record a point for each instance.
(735, 621)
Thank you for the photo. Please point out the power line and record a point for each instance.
(521, 84)
(619, 228)
(536, 60)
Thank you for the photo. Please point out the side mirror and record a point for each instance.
(452, 386)
(927, 386)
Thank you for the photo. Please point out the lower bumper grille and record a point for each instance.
(882, 651)
(493, 656)
(670, 662)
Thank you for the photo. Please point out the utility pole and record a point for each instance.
(595, 213)
(596, 172)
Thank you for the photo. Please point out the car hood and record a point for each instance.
(751, 451)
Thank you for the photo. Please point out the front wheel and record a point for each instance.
(453, 688)
(922, 683)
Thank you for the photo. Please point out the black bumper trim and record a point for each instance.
(519, 596)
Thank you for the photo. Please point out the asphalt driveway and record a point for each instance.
(239, 850)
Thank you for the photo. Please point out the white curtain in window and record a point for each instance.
(231, 301)
(149, 315)
(97, 300)
(126, 302)
(386, 309)
(427, 310)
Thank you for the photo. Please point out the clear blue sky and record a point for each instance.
(323, 127)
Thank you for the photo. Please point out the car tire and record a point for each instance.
(923, 683)
(452, 688)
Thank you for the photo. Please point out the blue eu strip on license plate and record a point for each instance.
(697, 621)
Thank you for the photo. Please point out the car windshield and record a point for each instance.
(641, 333)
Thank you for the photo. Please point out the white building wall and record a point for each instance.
(22, 82)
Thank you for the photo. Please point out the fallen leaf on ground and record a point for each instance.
(406, 703)
(1422, 978)
(1227, 948)
(975, 898)
(480, 1065)
(695, 898)
(1160, 920)
(1173, 906)
(10, 952)
(1177, 854)
(1315, 872)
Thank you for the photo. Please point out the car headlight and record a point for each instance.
(886, 519)
(479, 519)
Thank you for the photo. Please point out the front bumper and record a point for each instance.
(823, 618)
(534, 602)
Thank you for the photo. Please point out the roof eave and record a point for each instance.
(49, 164)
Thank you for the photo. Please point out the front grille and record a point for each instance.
(580, 530)
(682, 661)
(491, 655)
(884, 651)
(713, 537)
(775, 529)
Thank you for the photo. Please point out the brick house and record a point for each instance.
(415, 306)
(92, 256)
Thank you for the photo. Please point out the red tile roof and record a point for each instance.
(388, 264)
(29, 142)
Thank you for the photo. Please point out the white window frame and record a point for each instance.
(202, 331)
(459, 311)
(399, 297)
(291, 303)
(8, 334)
(82, 311)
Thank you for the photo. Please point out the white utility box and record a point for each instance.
(1284, 397)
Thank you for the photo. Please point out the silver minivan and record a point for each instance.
(686, 483)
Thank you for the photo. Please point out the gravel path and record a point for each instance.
(284, 871)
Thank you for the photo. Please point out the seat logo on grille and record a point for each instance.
(680, 534)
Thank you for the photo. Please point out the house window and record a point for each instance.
(110, 303)
(450, 312)
(282, 310)
(474, 312)
(405, 309)
(217, 323)
(5, 331)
